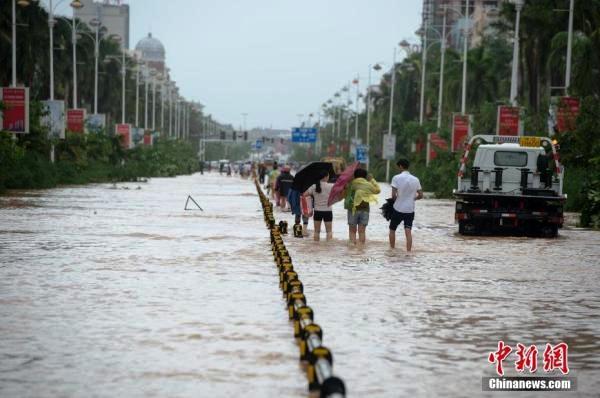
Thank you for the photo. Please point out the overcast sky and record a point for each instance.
(272, 59)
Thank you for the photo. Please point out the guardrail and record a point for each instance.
(319, 359)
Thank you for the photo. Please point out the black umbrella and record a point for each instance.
(310, 174)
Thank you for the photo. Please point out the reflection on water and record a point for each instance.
(106, 291)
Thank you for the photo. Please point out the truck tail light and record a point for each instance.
(461, 216)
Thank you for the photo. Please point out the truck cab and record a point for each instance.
(514, 186)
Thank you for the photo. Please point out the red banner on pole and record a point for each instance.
(420, 145)
(567, 113)
(76, 120)
(508, 120)
(124, 133)
(435, 143)
(148, 139)
(15, 116)
(461, 126)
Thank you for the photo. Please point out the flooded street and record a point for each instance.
(117, 291)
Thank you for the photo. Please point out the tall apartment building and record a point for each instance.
(112, 14)
(482, 14)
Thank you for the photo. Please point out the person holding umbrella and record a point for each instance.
(322, 211)
(308, 176)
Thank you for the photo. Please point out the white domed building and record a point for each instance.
(152, 52)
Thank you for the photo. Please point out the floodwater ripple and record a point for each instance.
(117, 290)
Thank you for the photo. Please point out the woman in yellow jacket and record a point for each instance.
(361, 192)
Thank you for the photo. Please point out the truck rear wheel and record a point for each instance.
(468, 228)
(549, 231)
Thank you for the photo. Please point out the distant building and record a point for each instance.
(112, 14)
(482, 13)
(152, 52)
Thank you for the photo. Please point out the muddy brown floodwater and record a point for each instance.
(117, 291)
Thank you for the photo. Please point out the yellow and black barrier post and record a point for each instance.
(319, 358)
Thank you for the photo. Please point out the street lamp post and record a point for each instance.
(146, 75)
(423, 69)
(387, 165)
(515, 61)
(74, 41)
(96, 25)
(463, 106)
(569, 47)
(123, 62)
(123, 75)
(76, 4)
(347, 105)
(51, 23)
(14, 43)
(177, 109)
(442, 62)
(96, 40)
(22, 3)
(153, 75)
(189, 115)
(162, 104)
(170, 88)
(377, 68)
(137, 94)
(339, 115)
(183, 119)
(357, 104)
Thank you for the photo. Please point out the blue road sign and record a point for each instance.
(259, 144)
(362, 153)
(304, 134)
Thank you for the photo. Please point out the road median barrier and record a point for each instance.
(318, 358)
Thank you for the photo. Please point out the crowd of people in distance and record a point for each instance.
(244, 170)
(359, 195)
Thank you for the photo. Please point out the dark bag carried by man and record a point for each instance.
(387, 210)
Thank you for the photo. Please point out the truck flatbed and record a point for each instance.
(464, 195)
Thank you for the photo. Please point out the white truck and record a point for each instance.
(514, 187)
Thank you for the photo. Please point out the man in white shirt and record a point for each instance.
(406, 189)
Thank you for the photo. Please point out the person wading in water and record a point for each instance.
(322, 213)
(360, 193)
(406, 189)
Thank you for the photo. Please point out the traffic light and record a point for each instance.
(222, 135)
(234, 135)
(245, 136)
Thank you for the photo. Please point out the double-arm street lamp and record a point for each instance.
(123, 62)
(76, 28)
(391, 115)
(377, 67)
(338, 99)
(75, 4)
(357, 83)
(443, 39)
(153, 75)
(138, 68)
